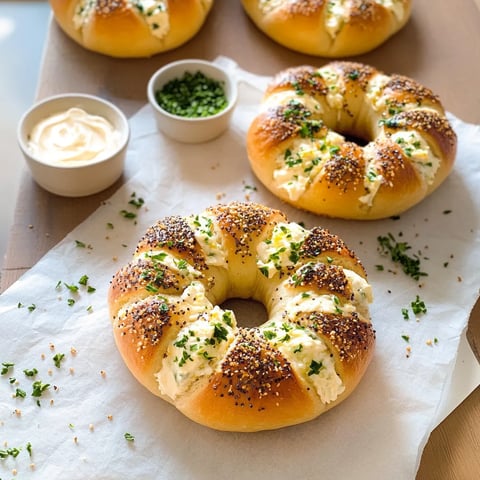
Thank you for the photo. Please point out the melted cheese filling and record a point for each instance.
(181, 267)
(199, 347)
(338, 13)
(210, 239)
(300, 165)
(417, 150)
(281, 250)
(308, 355)
(372, 180)
(335, 85)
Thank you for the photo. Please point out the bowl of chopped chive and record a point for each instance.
(192, 100)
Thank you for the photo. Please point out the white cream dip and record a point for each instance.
(73, 136)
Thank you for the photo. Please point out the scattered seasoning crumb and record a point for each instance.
(103, 373)
(71, 370)
(408, 351)
(110, 417)
(52, 401)
(90, 427)
(42, 356)
(14, 471)
(114, 259)
(30, 226)
(446, 212)
(73, 351)
(459, 279)
(17, 412)
(32, 466)
(429, 342)
(75, 439)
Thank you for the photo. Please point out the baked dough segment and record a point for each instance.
(299, 144)
(329, 28)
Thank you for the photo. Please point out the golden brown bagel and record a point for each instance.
(128, 28)
(298, 150)
(329, 28)
(181, 345)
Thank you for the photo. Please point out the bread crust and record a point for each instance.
(295, 149)
(314, 27)
(119, 29)
(177, 342)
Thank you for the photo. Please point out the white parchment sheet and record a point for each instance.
(55, 320)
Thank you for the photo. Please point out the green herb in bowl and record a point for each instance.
(192, 95)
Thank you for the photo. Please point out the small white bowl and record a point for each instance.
(192, 129)
(75, 178)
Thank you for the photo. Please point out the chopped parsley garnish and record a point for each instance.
(6, 366)
(314, 368)
(220, 332)
(38, 388)
(57, 359)
(127, 214)
(19, 393)
(398, 253)
(129, 437)
(418, 306)
(137, 202)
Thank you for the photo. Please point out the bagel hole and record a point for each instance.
(249, 313)
(360, 141)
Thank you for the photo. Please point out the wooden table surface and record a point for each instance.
(440, 47)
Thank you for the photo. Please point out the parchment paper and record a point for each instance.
(77, 428)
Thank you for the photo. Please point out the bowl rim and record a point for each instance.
(199, 62)
(124, 132)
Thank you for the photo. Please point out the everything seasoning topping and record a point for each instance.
(173, 234)
(348, 335)
(192, 95)
(242, 223)
(324, 278)
(145, 321)
(252, 369)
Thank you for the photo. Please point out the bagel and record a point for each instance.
(130, 28)
(301, 144)
(329, 28)
(178, 341)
